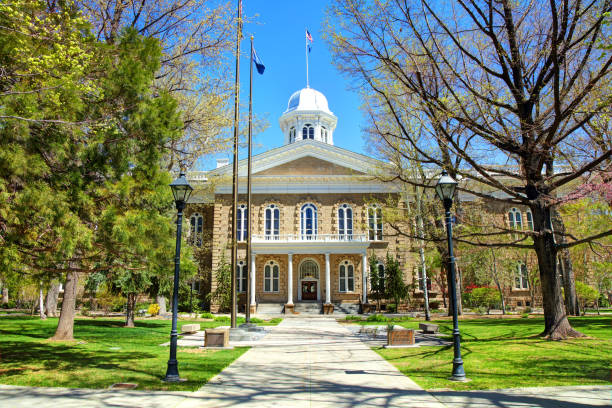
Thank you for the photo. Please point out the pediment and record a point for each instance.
(309, 166)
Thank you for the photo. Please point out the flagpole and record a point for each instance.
(235, 172)
(249, 213)
(306, 38)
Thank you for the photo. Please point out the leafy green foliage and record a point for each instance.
(395, 286)
(223, 293)
(377, 318)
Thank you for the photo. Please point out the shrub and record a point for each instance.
(222, 319)
(276, 320)
(351, 317)
(485, 298)
(153, 309)
(377, 318)
(524, 315)
(391, 307)
(256, 320)
(586, 294)
(207, 315)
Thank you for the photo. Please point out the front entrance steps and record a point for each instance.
(308, 308)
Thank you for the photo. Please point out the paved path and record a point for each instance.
(312, 362)
(308, 362)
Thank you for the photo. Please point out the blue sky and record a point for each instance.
(279, 31)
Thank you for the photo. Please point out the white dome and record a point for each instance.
(307, 99)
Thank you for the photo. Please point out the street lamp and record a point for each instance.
(181, 190)
(445, 188)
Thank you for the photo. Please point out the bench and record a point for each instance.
(428, 328)
(190, 328)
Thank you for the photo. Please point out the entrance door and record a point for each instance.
(309, 290)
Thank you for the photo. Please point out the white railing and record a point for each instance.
(310, 238)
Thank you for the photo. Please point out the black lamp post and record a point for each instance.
(181, 191)
(445, 188)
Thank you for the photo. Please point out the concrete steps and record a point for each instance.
(270, 308)
(346, 308)
(308, 307)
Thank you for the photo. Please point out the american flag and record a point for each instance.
(308, 36)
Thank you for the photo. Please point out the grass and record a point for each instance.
(103, 353)
(508, 353)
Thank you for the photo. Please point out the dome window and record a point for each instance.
(308, 131)
(324, 134)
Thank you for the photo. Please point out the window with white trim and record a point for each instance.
(515, 219)
(308, 131)
(324, 134)
(241, 276)
(196, 222)
(345, 221)
(308, 222)
(271, 222)
(375, 226)
(347, 277)
(292, 135)
(271, 274)
(521, 279)
(529, 220)
(242, 222)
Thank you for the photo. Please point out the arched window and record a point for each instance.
(529, 220)
(309, 222)
(271, 220)
(271, 272)
(309, 270)
(375, 222)
(242, 218)
(345, 221)
(308, 131)
(241, 276)
(292, 135)
(324, 134)
(347, 277)
(521, 280)
(515, 219)
(196, 227)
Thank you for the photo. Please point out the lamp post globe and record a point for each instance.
(445, 188)
(181, 190)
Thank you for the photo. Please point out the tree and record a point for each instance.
(223, 292)
(377, 282)
(81, 130)
(524, 87)
(396, 288)
(587, 295)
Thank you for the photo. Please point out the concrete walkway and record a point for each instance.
(309, 362)
(312, 362)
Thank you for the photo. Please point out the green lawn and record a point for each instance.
(103, 353)
(507, 353)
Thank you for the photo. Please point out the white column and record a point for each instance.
(253, 274)
(364, 277)
(327, 281)
(290, 280)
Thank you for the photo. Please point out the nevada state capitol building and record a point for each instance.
(317, 217)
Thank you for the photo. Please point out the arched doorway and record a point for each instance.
(309, 287)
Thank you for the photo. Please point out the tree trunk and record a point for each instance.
(161, 302)
(497, 283)
(565, 262)
(5, 295)
(556, 325)
(131, 304)
(41, 303)
(51, 300)
(65, 325)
